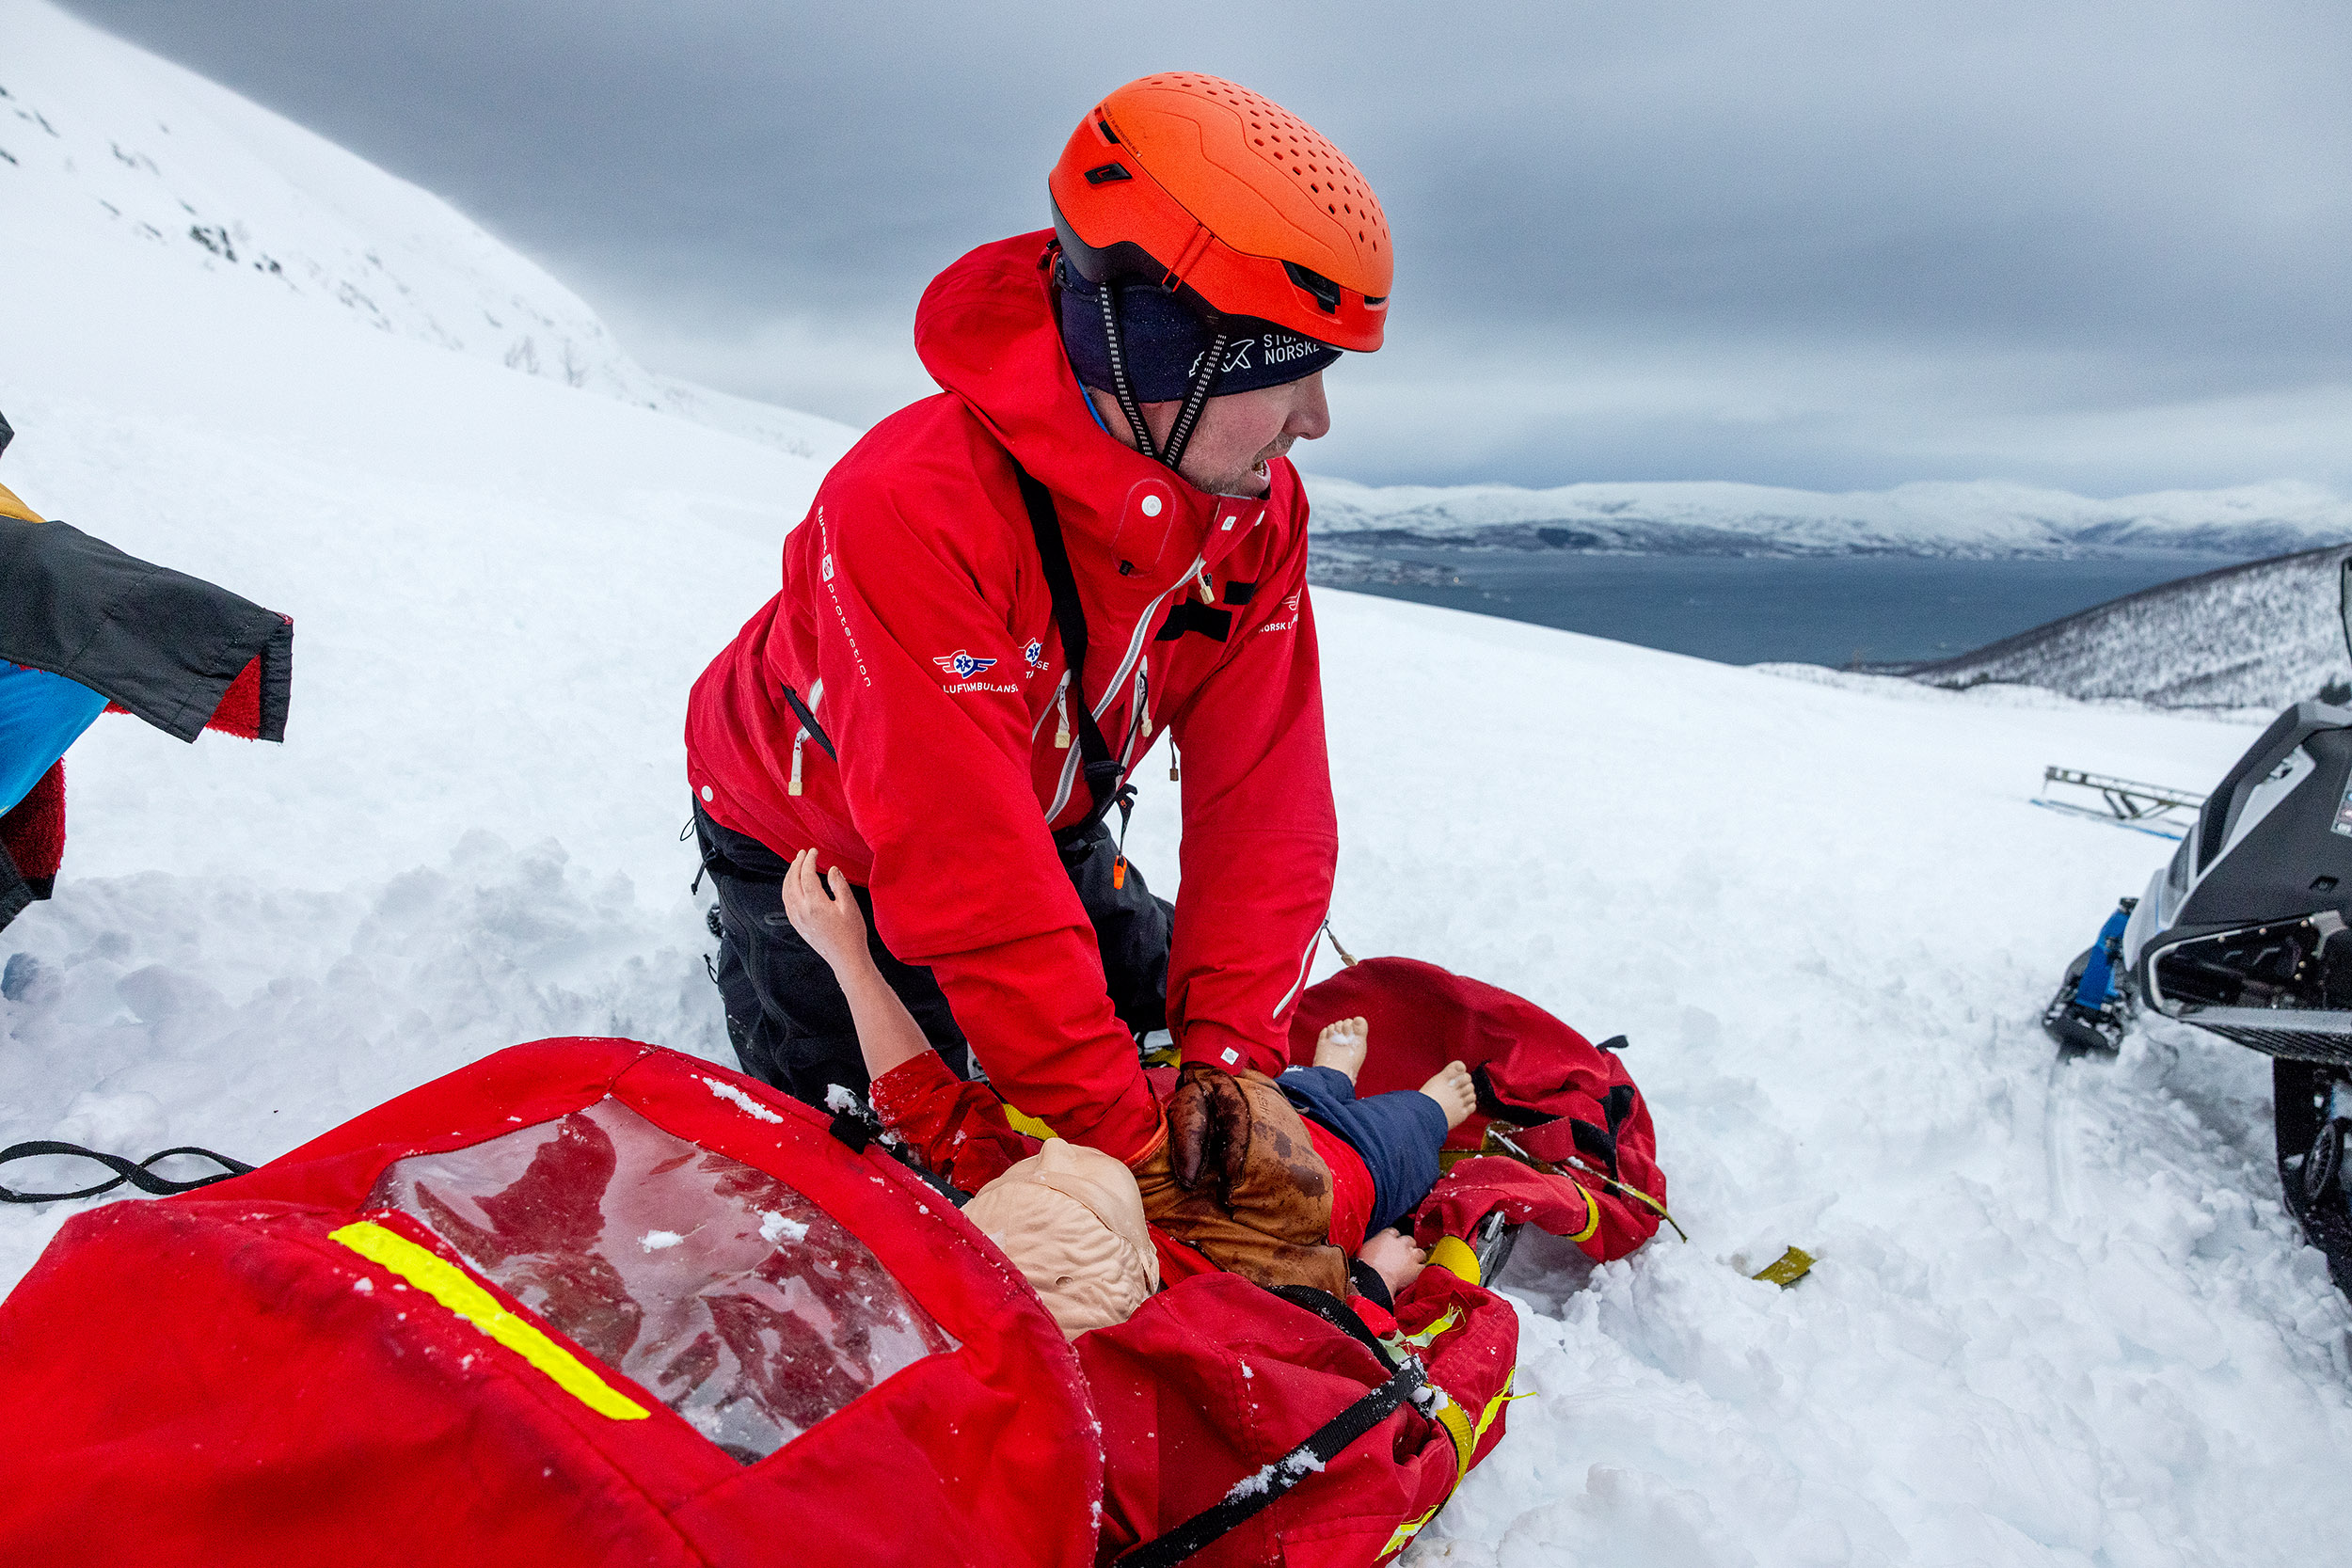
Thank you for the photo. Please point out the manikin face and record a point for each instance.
(1238, 435)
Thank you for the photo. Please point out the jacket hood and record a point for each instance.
(986, 331)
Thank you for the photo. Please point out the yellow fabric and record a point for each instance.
(1405, 1531)
(1454, 1256)
(1024, 1122)
(1787, 1267)
(1466, 1437)
(1592, 1215)
(11, 507)
(1421, 1340)
(449, 1285)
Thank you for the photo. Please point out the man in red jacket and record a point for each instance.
(1004, 594)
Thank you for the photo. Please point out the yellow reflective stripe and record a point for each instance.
(1452, 1316)
(449, 1285)
(1024, 1122)
(1465, 1439)
(1405, 1531)
(1494, 1406)
(1454, 1256)
(11, 507)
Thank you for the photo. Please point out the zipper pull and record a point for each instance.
(1171, 759)
(1062, 706)
(795, 788)
(1208, 593)
(1126, 811)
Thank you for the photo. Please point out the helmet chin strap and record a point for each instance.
(1123, 388)
(1188, 416)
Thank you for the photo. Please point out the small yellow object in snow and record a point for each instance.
(449, 1285)
(1792, 1265)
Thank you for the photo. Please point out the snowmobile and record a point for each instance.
(2244, 933)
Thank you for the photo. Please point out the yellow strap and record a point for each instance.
(1592, 1213)
(449, 1285)
(1466, 1438)
(1024, 1122)
(1460, 1427)
(1454, 1256)
(11, 507)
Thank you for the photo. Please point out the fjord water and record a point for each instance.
(1752, 610)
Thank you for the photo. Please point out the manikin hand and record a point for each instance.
(825, 912)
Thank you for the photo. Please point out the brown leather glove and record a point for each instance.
(1238, 1179)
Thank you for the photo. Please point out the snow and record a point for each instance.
(1981, 518)
(742, 1101)
(2058, 1317)
(2261, 635)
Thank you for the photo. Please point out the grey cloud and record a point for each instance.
(1831, 243)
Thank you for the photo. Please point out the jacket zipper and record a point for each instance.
(1134, 650)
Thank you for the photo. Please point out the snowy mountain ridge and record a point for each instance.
(102, 143)
(1944, 518)
(2260, 635)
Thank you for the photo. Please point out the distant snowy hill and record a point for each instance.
(102, 146)
(2262, 635)
(1950, 520)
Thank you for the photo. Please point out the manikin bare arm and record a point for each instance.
(826, 914)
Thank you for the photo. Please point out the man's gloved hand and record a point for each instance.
(1238, 1179)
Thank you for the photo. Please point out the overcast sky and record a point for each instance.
(1836, 244)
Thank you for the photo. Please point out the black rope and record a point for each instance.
(136, 1172)
(1253, 1494)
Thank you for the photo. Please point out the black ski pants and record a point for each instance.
(786, 1016)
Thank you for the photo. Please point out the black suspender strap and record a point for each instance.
(1253, 1493)
(1097, 762)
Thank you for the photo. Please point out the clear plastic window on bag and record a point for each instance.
(738, 1302)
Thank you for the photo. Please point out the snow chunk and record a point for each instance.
(740, 1101)
(775, 1229)
(658, 1240)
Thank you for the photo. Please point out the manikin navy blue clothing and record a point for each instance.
(1398, 1135)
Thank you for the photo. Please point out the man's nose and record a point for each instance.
(1310, 416)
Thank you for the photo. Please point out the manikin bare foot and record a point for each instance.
(1343, 1045)
(1453, 1092)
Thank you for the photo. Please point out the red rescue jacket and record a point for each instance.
(916, 625)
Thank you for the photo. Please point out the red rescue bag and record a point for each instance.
(586, 1301)
(1563, 1100)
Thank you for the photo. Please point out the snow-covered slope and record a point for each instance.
(105, 148)
(1984, 518)
(2262, 635)
(2060, 1316)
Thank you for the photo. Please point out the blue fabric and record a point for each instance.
(1398, 1135)
(40, 715)
(1164, 340)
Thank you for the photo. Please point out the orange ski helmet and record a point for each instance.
(1230, 201)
